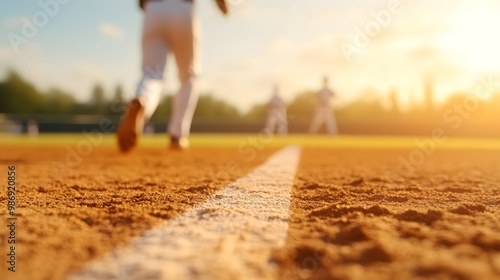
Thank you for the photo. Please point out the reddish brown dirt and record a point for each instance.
(354, 214)
(69, 214)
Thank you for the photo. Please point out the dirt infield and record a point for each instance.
(69, 215)
(353, 215)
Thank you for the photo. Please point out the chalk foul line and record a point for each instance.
(230, 236)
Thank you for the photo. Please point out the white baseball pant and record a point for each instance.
(170, 26)
(324, 115)
(276, 121)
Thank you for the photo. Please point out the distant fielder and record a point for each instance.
(170, 26)
(324, 113)
(276, 115)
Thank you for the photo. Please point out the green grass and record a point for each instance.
(245, 140)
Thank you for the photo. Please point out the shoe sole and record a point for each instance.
(131, 127)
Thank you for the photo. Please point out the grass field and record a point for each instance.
(352, 213)
(236, 140)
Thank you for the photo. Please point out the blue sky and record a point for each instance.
(288, 42)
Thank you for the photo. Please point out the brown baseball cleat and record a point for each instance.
(179, 144)
(132, 126)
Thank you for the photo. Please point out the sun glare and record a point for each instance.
(472, 39)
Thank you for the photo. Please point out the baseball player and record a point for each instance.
(276, 115)
(324, 112)
(170, 27)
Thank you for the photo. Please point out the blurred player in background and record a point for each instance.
(32, 128)
(324, 113)
(170, 26)
(16, 128)
(276, 115)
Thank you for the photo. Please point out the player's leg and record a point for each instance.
(183, 40)
(148, 93)
(331, 122)
(282, 123)
(151, 85)
(317, 121)
(268, 125)
(271, 122)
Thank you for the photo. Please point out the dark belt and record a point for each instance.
(142, 3)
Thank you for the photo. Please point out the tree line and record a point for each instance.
(19, 96)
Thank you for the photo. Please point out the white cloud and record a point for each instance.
(29, 54)
(110, 30)
(281, 46)
(244, 9)
(6, 54)
(91, 72)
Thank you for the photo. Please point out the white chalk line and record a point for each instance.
(228, 237)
